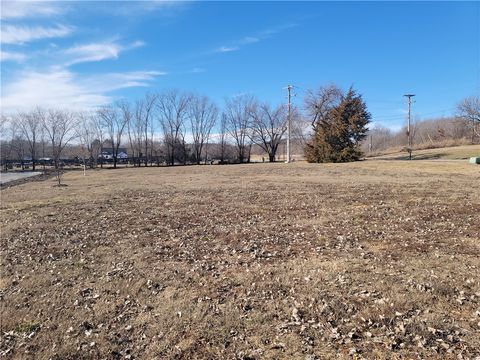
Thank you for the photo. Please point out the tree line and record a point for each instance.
(179, 127)
(461, 129)
(185, 121)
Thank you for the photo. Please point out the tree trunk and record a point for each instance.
(34, 155)
(271, 158)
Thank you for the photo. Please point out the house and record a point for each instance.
(107, 154)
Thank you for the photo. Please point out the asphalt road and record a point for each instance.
(12, 176)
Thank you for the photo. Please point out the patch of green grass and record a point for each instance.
(27, 327)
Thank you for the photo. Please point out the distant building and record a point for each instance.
(107, 154)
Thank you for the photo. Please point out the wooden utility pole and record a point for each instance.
(409, 135)
(289, 125)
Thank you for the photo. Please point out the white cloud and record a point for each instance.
(98, 51)
(249, 40)
(224, 49)
(197, 70)
(138, 8)
(12, 56)
(13, 34)
(114, 81)
(61, 88)
(28, 9)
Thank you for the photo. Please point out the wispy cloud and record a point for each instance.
(13, 34)
(224, 49)
(64, 89)
(98, 51)
(197, 70)
(29, 9)
(276, 29)
(137, 8)
(247, 40)
(12, 56)
(115, 81)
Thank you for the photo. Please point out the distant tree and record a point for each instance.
(379, 138)
(238, 114)
(87, 135)
(267, 127)
(114, 123)
(223, 137)
(203, 116)
(338, 135)
(16, 148)
(144, 115)
(30, 124)
(59, 127)
(173, 107)
(98, 128)
(469, 109)
(135, 133)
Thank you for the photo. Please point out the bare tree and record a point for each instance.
(203, 116)
(135, 134)
(114, 124)
(15, 148)
(143, 123)
(267, 127)
(469, 109)
(3, 124)
(173, 106)
(318, 103)
(238, 113)
(4, 145)
(99, 134)
(301, 129)
(59, 127)
(377, 139)
(30, 124)
(127, 116)
(223, 137)
(86, 132)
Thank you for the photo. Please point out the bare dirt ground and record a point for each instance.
(377, 260)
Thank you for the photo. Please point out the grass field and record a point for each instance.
(375, 259)
(447, 153)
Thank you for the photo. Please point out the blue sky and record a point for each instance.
(87, 54)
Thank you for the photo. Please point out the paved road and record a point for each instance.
(12, 176)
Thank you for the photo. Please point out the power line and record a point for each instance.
(397, 117)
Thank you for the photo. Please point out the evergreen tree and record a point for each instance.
(338, 135)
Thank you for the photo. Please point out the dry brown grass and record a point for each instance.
(438, 151)
(374, 259)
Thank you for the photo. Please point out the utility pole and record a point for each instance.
(409, 136)
(289, 125)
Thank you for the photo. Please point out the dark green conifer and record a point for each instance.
(337, 137)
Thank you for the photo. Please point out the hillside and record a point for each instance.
(447, 153)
